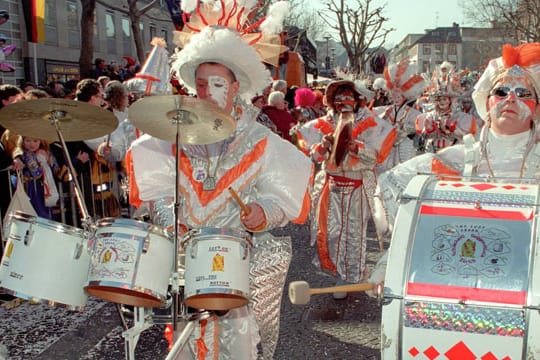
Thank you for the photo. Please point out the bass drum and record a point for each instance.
(45, 261)
(463, 272)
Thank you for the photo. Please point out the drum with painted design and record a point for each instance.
(462, 274)
(131, 262)
(217, 268)
(45, 261)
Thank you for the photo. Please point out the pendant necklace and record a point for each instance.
(209, 183)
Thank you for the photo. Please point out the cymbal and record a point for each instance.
(197, 121)
(76, 120)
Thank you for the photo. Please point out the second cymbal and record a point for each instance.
(76, 120)
(197, 121)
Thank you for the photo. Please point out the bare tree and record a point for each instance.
(87, 37)
(303, 16)
(521, 19)
(360, 29)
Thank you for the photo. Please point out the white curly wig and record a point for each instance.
(222, 45)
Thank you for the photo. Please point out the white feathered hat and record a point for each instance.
(523, 60)
(224, 46)
(221, 32)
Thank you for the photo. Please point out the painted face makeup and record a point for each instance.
(512, 103)
(442, 103)
(344, 102)
(218, 89)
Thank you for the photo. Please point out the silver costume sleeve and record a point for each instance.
(275, 217)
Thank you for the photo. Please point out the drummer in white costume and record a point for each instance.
(506, 97)
(405, 85)
(271, 176)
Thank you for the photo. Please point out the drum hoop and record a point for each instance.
(133, 224)
(46, 223)
(124, 236)
(230, 232)
(43, 301)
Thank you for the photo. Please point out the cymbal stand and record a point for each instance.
(177, 119)
(56, 116)
(189, 320)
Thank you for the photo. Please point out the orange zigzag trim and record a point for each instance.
(227, 179)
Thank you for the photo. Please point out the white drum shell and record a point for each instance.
(47, 268)
(121, 264)
(401, 340)
(230, 277)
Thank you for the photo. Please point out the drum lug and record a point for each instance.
(29, 235)
(387, 296)
(404, 199)
(193, 252)
(245, 246)
(78, 251)
(146, 243)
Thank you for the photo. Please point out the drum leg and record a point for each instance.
(182, 339)
(131, 336)
(122, 314)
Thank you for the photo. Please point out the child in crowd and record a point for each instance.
(38, 177)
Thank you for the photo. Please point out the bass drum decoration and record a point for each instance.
(45, 261)
(463, 271)
(130, 262)
(217, 268)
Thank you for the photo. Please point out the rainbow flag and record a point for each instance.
(34, 17)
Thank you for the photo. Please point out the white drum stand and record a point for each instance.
(143, 322)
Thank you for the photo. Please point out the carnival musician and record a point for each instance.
(271, 176)
(506, 97)
(443, 126)
(347, 143)
(405, 85)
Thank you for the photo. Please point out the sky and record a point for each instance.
(415, 16)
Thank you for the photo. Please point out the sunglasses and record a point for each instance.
(502, 92)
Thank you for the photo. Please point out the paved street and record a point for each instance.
(324, 329)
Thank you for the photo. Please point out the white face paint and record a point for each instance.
(510, 114)
(218, 89)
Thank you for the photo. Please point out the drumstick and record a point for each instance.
(235, 196)
(300, 292)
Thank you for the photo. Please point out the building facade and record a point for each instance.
(464, 47)
(58, 57)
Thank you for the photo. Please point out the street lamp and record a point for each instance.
(327, 59)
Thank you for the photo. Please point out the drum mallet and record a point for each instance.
(299, 291)
(236, 198)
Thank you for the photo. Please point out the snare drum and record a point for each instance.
(45, 261)
(463, 272)
(131, 262)
(217, 268)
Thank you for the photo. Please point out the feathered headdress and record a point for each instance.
(404, 77)
(224, 32)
